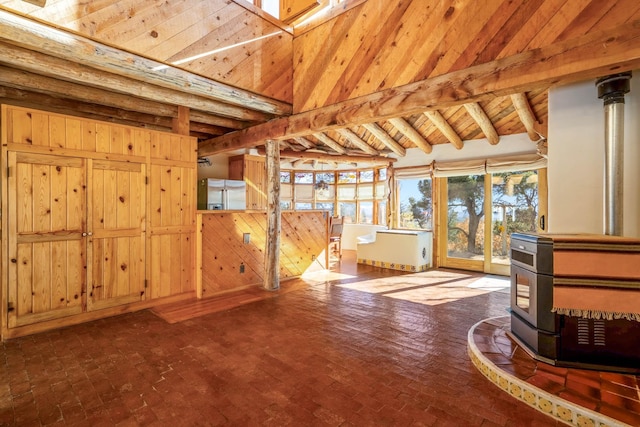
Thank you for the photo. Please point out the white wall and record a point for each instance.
(576, 160)
(219, 168)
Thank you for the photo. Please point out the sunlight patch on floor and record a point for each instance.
(432, 287)
(385, 285)
(491, 283)
(322, 276)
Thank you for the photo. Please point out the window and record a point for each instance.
(303, 178)
(366, 175)
(304, 206)
(357, 195)
(366, 213)
(285, 177)
(328, 177)
(347, 177)
(348, 211)
(325, 207)
(415, 198)
(288, 11)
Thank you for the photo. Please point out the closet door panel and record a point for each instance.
(46, 246)
(117, 203)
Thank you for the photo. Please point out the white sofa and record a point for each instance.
(405, 250)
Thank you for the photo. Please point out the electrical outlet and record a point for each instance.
(313, 257)
(241, 268)
(246, 238)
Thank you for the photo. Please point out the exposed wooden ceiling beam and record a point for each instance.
(338, 158)
(523, 108)
(304, 142)
(445, 128)
(39, 91)
(354, 139)
(26, 98)
(385, 138)
(103, 113)
(50, 66)
(25, 84)
(287, 144)
(478, 114)
(329, 142)
(567, 61)
(39, 37)
(405, 128)
(33, 82)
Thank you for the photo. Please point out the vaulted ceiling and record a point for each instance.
(367, 80)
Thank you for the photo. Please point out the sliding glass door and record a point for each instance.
(465, 200)
(478, 214)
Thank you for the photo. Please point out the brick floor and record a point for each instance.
(615, 395)
(322, 355)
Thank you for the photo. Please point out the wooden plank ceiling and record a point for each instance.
(367, 83)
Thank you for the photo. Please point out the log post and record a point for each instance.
(272, 250)
(182, 121)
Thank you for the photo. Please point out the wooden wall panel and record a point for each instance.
(56, 133)
(172, 207)
(303, 239)
(178, 30)
(381, 44)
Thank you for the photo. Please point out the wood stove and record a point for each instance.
(532, 320)
(575, 299)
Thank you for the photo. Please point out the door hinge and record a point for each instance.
(146, 180)
(8, 171)
(10, 307)
(146, 283)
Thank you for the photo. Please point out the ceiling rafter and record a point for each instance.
(475, 110)
(304, 142)
(443, 126)
(523, 108)
(330, 142)
(411, 133)
(286, 144)
(382, 135)
(358, 142)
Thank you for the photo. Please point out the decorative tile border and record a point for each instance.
(393, 266)
(547, 403)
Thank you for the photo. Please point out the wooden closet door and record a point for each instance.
(47, 249)
(116, 214)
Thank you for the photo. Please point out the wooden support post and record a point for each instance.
(182, 122)
(272, 250)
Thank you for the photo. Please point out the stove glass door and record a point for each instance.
(523, 291)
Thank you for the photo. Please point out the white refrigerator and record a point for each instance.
(221, 194)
